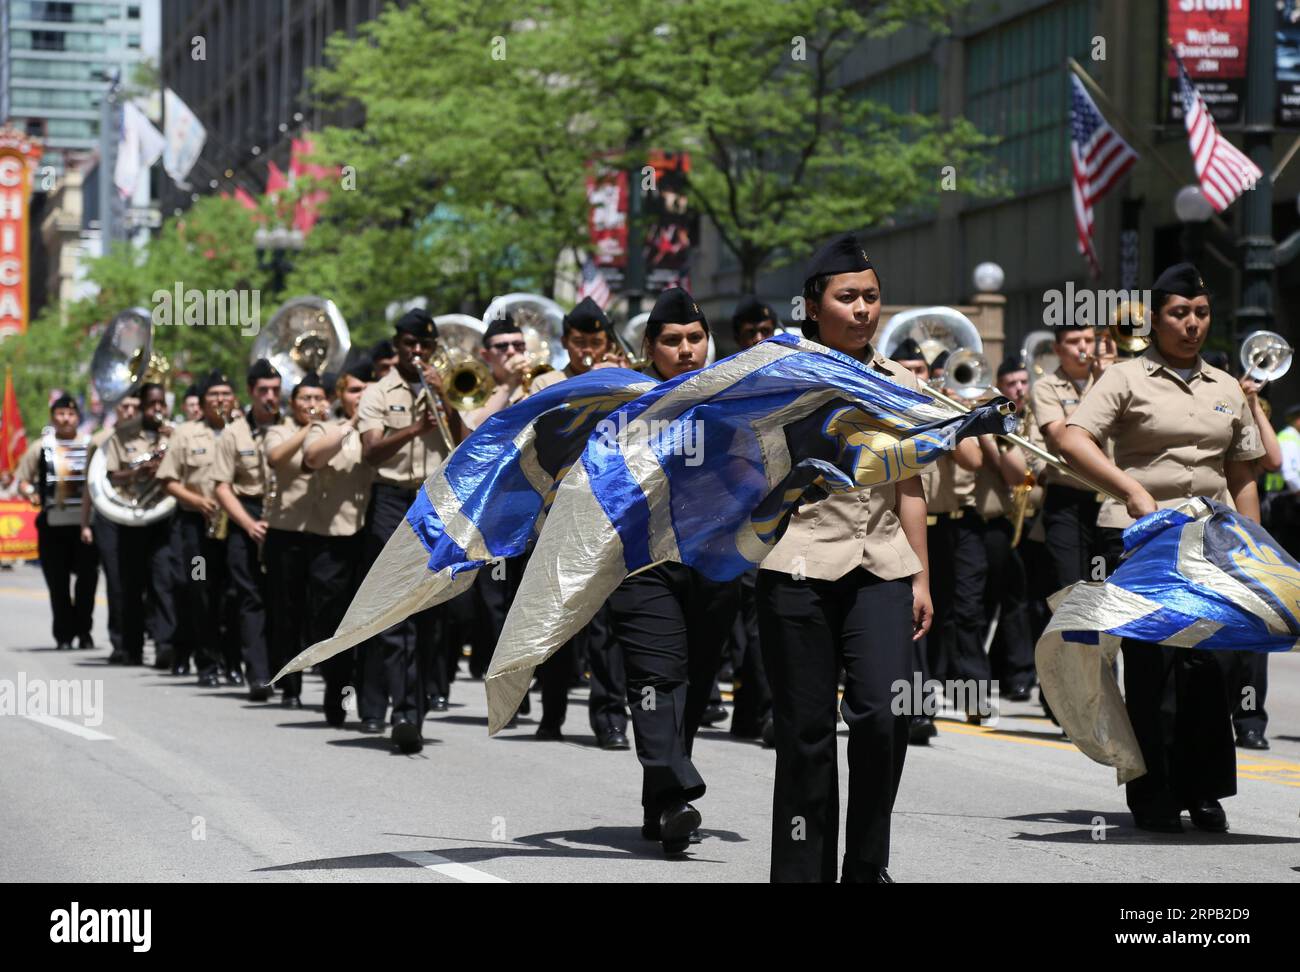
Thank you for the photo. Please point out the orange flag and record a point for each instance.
(13, 437)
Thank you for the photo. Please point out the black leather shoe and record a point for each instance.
(258, 691)
(85, 643)
(373, 726)
(234, 678)
(1208, 815)
(210, 680)
(181, 668)
(614, 739)
(162, 659)
(713, 715)
(1017, 693)
(921, 731)
(291, 702)
(438, 704)
(1252, 739)
(769, 734)
(406, 736)
(335, 715)
(64, 646)
(117, 658)
(675, 827)
(882, 877)
(550, 733)
(1160, 823)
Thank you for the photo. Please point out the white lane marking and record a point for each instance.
(459, 872)
(66, 726)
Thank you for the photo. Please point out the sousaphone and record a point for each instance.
(306, 334)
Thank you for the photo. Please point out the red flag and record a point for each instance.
(13, 437)
(275, 180)
(307, 211)
(244, 199)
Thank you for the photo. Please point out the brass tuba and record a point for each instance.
(466, 379)
(306, 334)
(1130, 317)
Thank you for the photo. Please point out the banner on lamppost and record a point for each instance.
(1210, 37)
(1286, 63)
(18, 157)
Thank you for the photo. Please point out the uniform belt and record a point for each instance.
(957, 515)
(392, 488)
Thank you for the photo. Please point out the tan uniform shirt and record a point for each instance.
(1055, 397)
(389, 405)
(1173, 436)
(950, 487)
(241, 461)
(128, 441)
(192, 456)
(827, 539)
(550, 378)
(288, 497)
(340, 489)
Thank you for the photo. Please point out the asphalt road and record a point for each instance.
(180, 783)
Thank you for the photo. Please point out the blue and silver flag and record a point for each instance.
(486, 501)
(1196, 576)
(704, 470)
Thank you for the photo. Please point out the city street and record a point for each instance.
(180, 783)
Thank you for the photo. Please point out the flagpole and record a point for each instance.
(1134, 135)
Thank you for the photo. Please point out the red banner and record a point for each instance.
(1210, 36)
(18, 155)
(17, 530)
(13, 437)
(607, 214)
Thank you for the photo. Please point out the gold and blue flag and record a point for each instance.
(1199, 575)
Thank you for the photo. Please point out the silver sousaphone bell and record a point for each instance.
(1265, 356)
(306, 334)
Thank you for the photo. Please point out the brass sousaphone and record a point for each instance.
(306, 334)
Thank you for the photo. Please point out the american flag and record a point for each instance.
(1099, 157)
(593, 284)
(1222, 169)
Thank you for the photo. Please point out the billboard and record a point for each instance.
(18, 156)
(1210, 36)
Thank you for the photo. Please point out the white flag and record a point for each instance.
(185, 136)
(140, 147)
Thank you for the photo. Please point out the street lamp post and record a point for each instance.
(274, 247)
(1256, 246)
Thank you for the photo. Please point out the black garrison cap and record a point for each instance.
(751, 310)
(587, 317)
(418, 323)
(261, 369)
(1181, 280)
(843, 254)
(214, 378)
(908, 350)
(676, 306)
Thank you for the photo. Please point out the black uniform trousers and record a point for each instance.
(288, 565)
(108, 543)
(607, 701)
(940, 642)
(752, 696)
(970, 568)
(250, 584)
(332, 569)
(1007, 588)
(63, 556)
(1177, 701)
(1071, 531)
(810, 629)
(670, 622)
(392, 665)
(203, 571)
(144, 563)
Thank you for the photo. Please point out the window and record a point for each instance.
(58, 99)
(1015, 89)
(912, 89)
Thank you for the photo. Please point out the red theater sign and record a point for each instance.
(18, 156)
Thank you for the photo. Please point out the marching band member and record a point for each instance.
(105, 535)
(401, 440)
(340, 489)
(192, 404)
(52, 473)
(144, 551)
(240, 477)
(188, 471)
(503, 351)
(585, 335)
(383, 357)
(846, 586)
(1179, 429)
(670, 622)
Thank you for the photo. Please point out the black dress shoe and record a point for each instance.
(1208, 815)
(373, 726)
(291, 702)
(63, 646)
(921, 731)
(1252, 739)
(335, 715)
(181, 668)
(614, 739)
(1160, 823)
(85, 643)
(1017, 693)
(406, 736)
(882, 877)
(117, 658)
(550, 733)
(438, 704)
(234, 678)
(675, 827)
(258, 691)
(162, 659)
(713, 715)
(210, 680)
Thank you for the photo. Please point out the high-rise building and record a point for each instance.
(57, 57)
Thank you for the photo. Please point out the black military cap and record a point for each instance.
(193, 391)
(499, 327)
(65, 401)
(383, 349)
(1009, 364)
(310, 380)
(751, 310)
(418, 323)
(363, 371)
(676, 306)
(214, 378)
(260, 369)
(844, 254)
(587, 317)
(1181, 280)
(908, 350)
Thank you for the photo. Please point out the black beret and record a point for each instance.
(418, 323)
(751, 310)
(499, 326)
(587, 317)
(844, 254)
(908, 350)
(65, 401)
(1181, 280)
(214, 378)
(261, 369)
(383, 349)
(193, 391)
(362, 371)
(676, 306)
(1009, 364)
